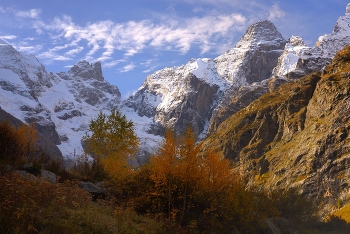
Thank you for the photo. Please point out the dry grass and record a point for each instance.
(30, 205)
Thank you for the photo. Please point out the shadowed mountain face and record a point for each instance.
(297, 135)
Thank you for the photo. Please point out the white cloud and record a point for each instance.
(29, 39)
(106, 37)
(131, 52)
(113, 63)
(171, 9)
(127, 68)
(150, 65)
(51, 56)
(33, 13)
(8, 37)
(29, 49)
(149, 70)
(147, 63)
(75, 51)
(276, 13)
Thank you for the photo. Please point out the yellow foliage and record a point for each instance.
(28, 139)
(112, 140)
(18, 144)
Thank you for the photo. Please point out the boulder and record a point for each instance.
(96, 191)
(48, 175)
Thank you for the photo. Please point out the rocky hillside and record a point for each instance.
(295, 136)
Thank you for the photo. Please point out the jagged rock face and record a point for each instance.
(288, 64)
(180, 96)
(296, 135)
(88, 85)
(194, 109)
(87, 71)
(251, 62)
(254, 56)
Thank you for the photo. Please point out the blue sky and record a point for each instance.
(133, 38)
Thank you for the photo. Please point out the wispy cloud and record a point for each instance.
(8, 37)
(275, 12)
(29, 49)
(75, 51)
(149, 70)
(113, 63)
(128, 68)
(29, 39)
(33, 13)
(50, 56)
(149, 65)
(104, 38)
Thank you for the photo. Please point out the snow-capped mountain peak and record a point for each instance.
(260, 32)
(186, 95)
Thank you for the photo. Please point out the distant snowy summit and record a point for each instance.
(299, 59)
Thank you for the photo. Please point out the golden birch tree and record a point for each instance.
(164, 165)
(112, 140)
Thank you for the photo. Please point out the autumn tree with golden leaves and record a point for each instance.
(188, 170)
(18, 144)
(164, 171)
(112, 141)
